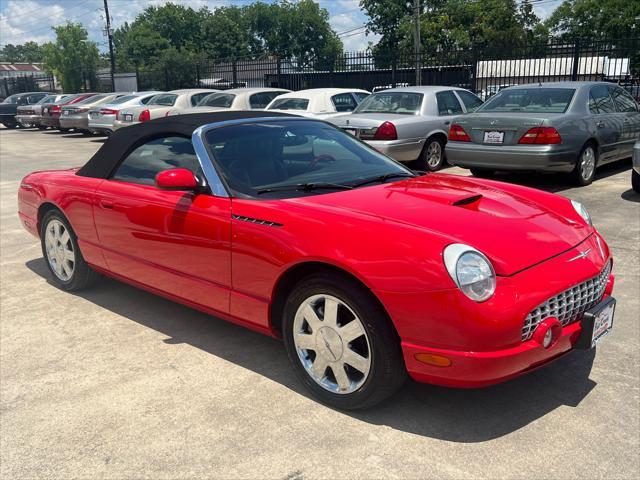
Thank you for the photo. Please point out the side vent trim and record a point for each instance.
(257, 221)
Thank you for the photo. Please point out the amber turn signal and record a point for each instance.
(432, 359)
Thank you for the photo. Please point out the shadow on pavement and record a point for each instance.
(455, 415)
(557, 182)
(631, 196)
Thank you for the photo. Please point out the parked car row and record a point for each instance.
(570, 127)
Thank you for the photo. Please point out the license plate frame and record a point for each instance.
(493, 137)
(597, 323)
(127, 117)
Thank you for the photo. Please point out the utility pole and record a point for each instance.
(109, 33)
(416, 20)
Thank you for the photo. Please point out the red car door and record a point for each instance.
(176, 242)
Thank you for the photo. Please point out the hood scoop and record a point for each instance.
(470, 202)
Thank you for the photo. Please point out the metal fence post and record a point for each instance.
(166, 79)
(394, 66)
(197, 74)
(234, 66)
(576, 60)
(279, 70)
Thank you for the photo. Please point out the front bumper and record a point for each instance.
(29, 119)
(483, 341)
(405, 150)
(78, 122)
(558, 158)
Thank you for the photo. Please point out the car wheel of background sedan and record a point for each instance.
(65, 130)
(341, 343)
(432, 156)
(482, 172)
(635, 181)
(10, 125)
(62, 254)
(42, 127)
(585, 168)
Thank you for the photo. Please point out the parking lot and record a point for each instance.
(117, 383)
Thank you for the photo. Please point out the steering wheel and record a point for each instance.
(324, 158)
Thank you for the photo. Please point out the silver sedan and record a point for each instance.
(409, 123)
(568, 127)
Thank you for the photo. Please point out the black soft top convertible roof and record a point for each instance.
(126, 139)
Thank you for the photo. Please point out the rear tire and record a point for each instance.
(358, 333)
(64, 130)
(62, 254)
(635, 181)
(42, 127)
(482, 172)
(11, 126)
(586, 164)
(432, 157)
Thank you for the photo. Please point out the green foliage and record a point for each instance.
(30, 52)
(596, 19)
(288, 29)
(71, 57)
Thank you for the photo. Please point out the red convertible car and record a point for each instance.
(366, 269)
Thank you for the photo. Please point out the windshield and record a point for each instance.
(290, 104)
(165, 99)
(124, 98)
(11, 99)
(255, 157)
(534, 100)
(91, 99)
(223, 100)
(391, 102)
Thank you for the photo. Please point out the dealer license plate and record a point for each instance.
(597, 323)
(493, 137)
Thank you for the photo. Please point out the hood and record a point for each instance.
(509, 226)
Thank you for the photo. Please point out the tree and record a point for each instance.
(30, 52)
(293, 30)
(225, 34)
(71, 58)
(595, 19)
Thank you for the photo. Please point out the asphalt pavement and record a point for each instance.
(117, 383)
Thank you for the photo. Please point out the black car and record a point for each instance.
(9, 107)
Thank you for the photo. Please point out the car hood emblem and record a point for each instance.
(580, 255)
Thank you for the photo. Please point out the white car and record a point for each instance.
(234, 99)
(160, 105)
(319, 102)
(102, 117)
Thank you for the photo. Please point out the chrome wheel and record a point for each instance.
(434, 154)
(587, 163)
(59, 249)
(332, 344)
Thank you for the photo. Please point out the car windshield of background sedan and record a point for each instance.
(166, 100)
(391, 102)
(290, 104)
(223, 100)
(93, 98)
(295, 158)
(534, 100)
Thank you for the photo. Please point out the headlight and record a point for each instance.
(582, 211)
(471, 271)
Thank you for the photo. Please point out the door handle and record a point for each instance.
(600, 124)
(106, 204)
(447, 122)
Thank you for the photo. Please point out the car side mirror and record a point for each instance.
(177, 179)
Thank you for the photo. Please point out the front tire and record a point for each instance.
(432, 155)
(585, 169)
(635, 181)
(341, 343)
(62, 254)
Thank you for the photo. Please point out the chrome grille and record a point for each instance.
(569, 305)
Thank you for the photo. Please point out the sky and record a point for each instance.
(31, 20)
